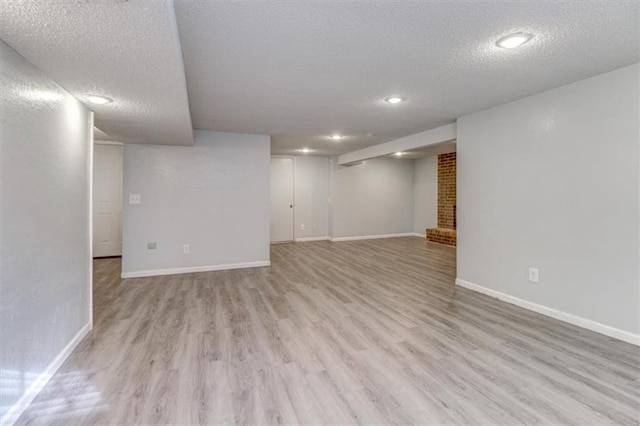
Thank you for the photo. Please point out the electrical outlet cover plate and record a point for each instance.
(533, 275)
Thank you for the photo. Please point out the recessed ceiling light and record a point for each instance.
(336, 137)
(399, 153)
(305, 150)
(393, 100)
(514, 40)
(99, 100)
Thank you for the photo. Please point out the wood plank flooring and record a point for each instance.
(356, 332)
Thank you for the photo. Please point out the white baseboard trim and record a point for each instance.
(417, 234)
(616, 333)
(304, 239)
(371, 237)
(190, 269)
(43, 378)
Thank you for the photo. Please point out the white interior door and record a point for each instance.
(281, 199)
(107, 200)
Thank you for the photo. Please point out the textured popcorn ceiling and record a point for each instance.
(126, 50)
(300, 71)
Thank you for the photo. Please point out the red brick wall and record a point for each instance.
(442, 236)
(446, 190)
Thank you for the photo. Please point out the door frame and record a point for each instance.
(293, 180)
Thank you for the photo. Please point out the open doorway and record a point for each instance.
(107, 199)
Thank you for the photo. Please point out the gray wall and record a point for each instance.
(45, 261)
(551, 181)
(213, 196)
(311, 197)
(425, 193)
(372, 198)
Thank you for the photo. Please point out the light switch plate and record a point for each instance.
(533, 275)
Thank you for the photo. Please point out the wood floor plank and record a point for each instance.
(359, 332)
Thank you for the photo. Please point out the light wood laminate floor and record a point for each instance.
(335, 333)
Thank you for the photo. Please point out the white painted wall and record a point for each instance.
(372, 198)
(311, 197)
(425, 193)
(45, 266)
(552, 181)
(213, 196)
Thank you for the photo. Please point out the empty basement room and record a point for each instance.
(312, 212)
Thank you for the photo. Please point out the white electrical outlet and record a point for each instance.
(302, 227)
(185, 248)
(152, 246)
(134, 198)
(533, 275)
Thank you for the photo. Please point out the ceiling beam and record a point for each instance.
(431, 137)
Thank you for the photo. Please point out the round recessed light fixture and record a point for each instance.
(399, 154)
(336, 137)
(305, 150)
(514, 40)
(393, 99)
(99, 100)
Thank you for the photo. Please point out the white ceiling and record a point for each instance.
(301, 70)
(126, 50)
